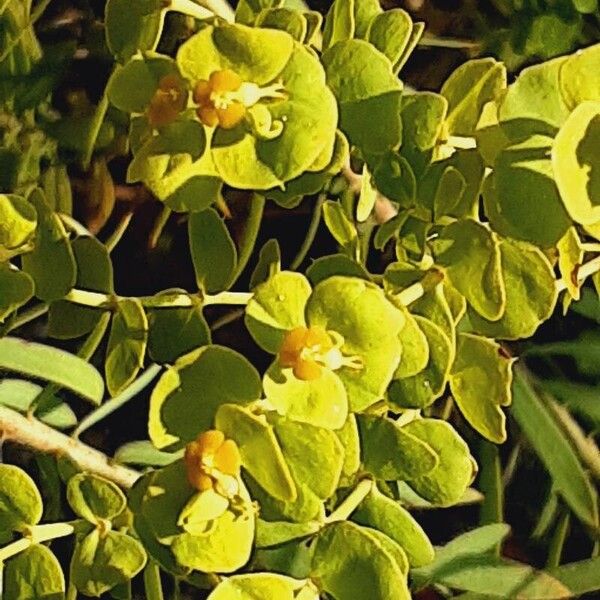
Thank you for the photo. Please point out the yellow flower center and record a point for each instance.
(308, 350)
(212, 462)
(169, 100)
(223, 98)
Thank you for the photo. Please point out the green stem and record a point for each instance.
(558, 539)
(31, 314)
(351, 502)
(250, 233)
(236, 298)
(187, 7)
(152, 582)
(117, 234)
(490, 484)
(158, 227)
(234, 315)
(587, 269)
(71, 592)
(310, 234)
(45, 398)
(92, 134)
(118, 401)
(37, 535)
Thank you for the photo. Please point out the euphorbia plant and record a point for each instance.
(296, 482)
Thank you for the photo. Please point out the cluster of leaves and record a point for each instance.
(490, 188)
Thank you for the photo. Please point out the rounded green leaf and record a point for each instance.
(259, 448)
(521, 198)
(368, 93)
(449, 479)
(530, 293)
(335, 264)
(422, 389)
(94, 498)
(276, 307)
(101, 562)
(388, 516)
(369, 324)
(350, 563)
(471, 256)
(18, 221)
(322, 402)
(339, 22)
(390, 33)
(16, 289)
(285, 19)
(269, 263)
(52, 263)
(314, 455)
(579, 76)
(187, 396)
(415, 348)
(391, 452)
(266, 586)
(34, 574)
(348, 436)
(576, 164)
(20, 500)
(480, 382)
(213, 252)
(126, 345)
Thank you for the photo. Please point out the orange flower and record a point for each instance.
(211, 461)
(301, 349)
(169, 100)
(216, 100)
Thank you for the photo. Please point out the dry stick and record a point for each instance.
(32, 433)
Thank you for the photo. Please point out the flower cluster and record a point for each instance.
(169, 100)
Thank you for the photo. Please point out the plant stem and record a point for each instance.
(249, 233)
(118, 401)
(187, 7)
(158, 227)
(152, 582)
(234, 315)
(490, 483)
(92, 134)
(587, 269)
(32, 433)
(37, 535)
(31, 314)
(237, 298)
(117, 234)
(351, 502)
(558, 539)
(310, 234)
(71, 592)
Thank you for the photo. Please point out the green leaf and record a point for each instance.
(178, 413)
(580, 577)
(369, 325)
(422, 389)
(16, 289)
(521, 198)
(247, 11)
(322, 402)
(213, 252)
(126, 345)
(52, 364)
(101, 562)
(570, 258)
(274, 533)
(364, 12)
(455, 470)
(391, 452)
(52, 263)
(95, 274)
(534, 103)
(276, 307)
(94, 498)
(269, 263)
(480, 382)
(335, 264)
(314, 455)
(415, 349)
(578, 79)
(285, 19)
(530, 293)
(350, 439)
(395, 178)
(340, 226)
(18, 221)
(368, 93)
(555, 451)
(266, 586)
(390, 32)
(34, 574)
(143, 453)
(20, 395)
(20, 500)
(259, 448)
(575, 163)
(339, 23)
(350, 562)
(463, 547)
(468, 89)
(471, 255)
(139, 32)
(388, 516)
